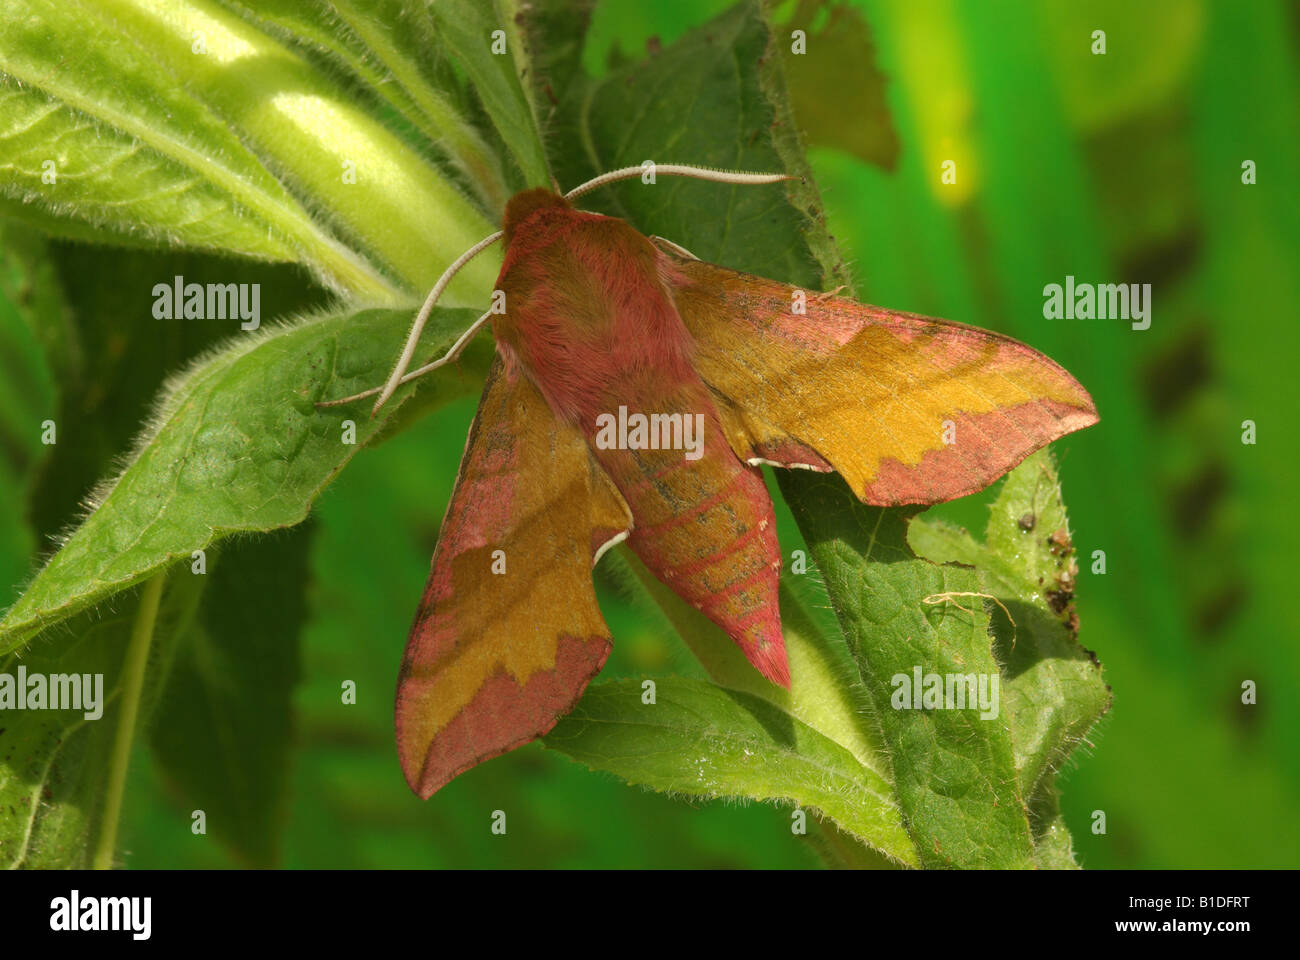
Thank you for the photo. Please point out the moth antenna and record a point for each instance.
(421, 318)
(450, 356)
(675, 247)
(679, 170)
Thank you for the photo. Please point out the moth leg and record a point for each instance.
(673, 247)
(450, 356)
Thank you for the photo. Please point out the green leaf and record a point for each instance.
(700, 102)
(554, 33)
(236, 445)
(392, 51)
(1053, 845)
(32, 321)
(1053, 690)
(706, 741)
(194, 127)
(223, 729)
(466, 31)
(842, 851)
(824, 693)
(54, 764)
(109, 373)
(954, 770)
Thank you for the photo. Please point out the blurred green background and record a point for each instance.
(1122, 167)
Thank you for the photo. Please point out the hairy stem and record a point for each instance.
(137, 656)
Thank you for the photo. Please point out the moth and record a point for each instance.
(602, 322)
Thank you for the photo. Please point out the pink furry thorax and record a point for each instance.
(586, 313)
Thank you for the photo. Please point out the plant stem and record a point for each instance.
(137, 656)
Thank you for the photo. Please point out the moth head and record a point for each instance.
(527, 202)
(520, 208)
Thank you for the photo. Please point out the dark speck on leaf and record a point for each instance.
(1059, 600)
(1027, 522)
(1059, 542)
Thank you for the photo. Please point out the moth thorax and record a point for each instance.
(527, 202)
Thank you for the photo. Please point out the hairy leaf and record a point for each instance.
(824, 692)
(1053, 691)
(236, 445)
(703, 740)
(954, 769)
(391, 49)
(469, 32)
(192, 126)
